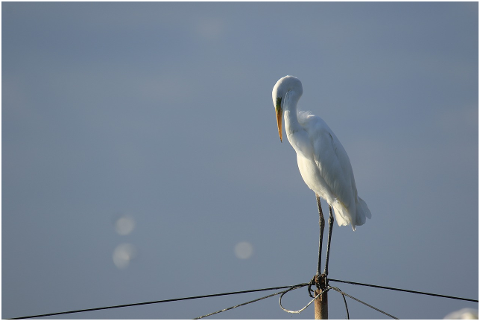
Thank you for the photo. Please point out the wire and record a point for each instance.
(368, 305)
(403, 290)
(236, 306)
(239, 305)
(246, 291)
(150, 302)
(346, 306)
(297, 287)
(324, 291)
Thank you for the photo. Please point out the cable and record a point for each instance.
(239, 305)
(293, 287)
(297, 287)
(403, 290)
(368, 305)
(346, 306)
(324, 291)
(246, 291)
(150, 302)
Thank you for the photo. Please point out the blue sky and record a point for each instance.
(162, 112)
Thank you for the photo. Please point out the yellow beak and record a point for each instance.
(278, 110)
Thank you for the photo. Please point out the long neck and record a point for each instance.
(296, 134)
(290, 113)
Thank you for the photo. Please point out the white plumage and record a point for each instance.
(322, 160)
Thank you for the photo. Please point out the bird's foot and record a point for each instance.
(314, 281)
(320, 281)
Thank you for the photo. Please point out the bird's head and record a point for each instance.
(284, 88)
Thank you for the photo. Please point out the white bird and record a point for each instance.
(322, 160)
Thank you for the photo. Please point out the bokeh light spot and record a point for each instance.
(463, 314)
(123, 254)
(243, 250)
(124, 225)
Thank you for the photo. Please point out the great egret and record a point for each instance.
(322, 161)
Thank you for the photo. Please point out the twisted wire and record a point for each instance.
(290, 288)
(252, 301)
(298, 311)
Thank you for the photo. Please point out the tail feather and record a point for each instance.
(343, 217)
(362, 212)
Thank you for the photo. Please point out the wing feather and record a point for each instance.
(332, 161)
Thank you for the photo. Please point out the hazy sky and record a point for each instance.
(141, 158)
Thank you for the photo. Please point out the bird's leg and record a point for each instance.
(330, 228)
(322, 225)
(316, 279)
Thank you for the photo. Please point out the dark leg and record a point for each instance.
(316, 278)
(322, 225)
(330, 228)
